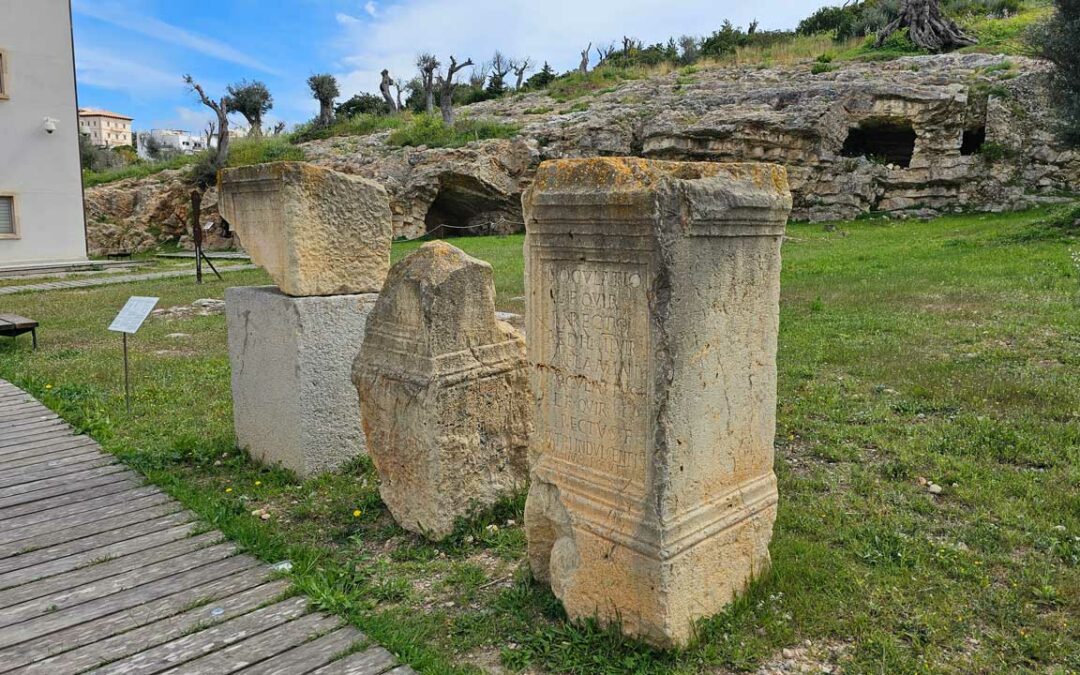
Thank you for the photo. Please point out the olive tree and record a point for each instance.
(446, 88)
(928, 27)
(324, 88)
(252, 100)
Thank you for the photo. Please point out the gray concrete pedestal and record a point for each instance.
(294, 404)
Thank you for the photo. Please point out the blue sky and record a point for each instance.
(132, 54)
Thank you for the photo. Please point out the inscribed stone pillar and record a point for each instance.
(443, 392)
(652, 313)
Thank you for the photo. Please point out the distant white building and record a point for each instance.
(175, 140)
(41, 201)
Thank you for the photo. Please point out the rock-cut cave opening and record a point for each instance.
(891, 141)
(973, 141)
(465, 206)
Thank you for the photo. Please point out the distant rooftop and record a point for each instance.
(98, 112)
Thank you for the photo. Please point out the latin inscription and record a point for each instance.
(596, 343)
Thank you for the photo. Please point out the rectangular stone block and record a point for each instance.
(293, 402)
(315, 231)
(652, 293)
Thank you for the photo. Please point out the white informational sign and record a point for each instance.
(131, 317)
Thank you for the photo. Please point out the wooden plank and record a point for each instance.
(188, 648)
(17, 433)
(89, 529)
(45, 444)
(34, 628)
(126, 632)
(259, 647)
(21, 477)
(68, 522)
(96, 581)
(69, 481)
(20, 429)
(54, 513)
(18, 321)
(48, 499)
(55, 566)
(12, 469)
(48, 448)
(101, 540)
(50, 467)
(371, 661)
(309, 655)
(28, 422)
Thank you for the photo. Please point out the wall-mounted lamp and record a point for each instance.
(49, 125)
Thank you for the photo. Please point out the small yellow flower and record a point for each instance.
(48, 386)
(228, 489)
(356, 513)
(258, 483)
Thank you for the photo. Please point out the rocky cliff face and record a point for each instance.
(918, 136)
(138, 214)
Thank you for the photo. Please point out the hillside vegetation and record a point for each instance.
(831, 36)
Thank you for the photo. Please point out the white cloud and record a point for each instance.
(371, 8)
(104, 69)
(346, 19)
(122, 17)
(555, 31)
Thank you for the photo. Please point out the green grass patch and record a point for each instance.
(141, 169)
(944, 351)
(247, 151)
(358, 125)
(431, 131)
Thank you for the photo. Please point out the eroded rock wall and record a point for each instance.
(978, 130)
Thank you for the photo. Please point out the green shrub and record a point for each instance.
(819, 68)
(431, 131)
(995, 152)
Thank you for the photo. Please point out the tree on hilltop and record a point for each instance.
(325, 89)
(446, 89)
(252, 100)
(928, 27)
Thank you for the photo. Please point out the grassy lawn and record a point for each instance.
(946, 351)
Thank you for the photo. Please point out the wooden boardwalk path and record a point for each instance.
(102, 573)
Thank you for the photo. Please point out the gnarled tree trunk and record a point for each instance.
(384, 87)
(927, 26)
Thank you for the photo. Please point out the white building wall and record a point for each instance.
(40, 169)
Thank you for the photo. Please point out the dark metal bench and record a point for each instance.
(13, 325)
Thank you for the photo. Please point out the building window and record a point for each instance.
(8, 225)
(4, 93)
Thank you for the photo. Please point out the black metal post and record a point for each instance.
(127, 376)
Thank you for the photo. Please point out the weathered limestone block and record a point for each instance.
(443, 391)
(293, 403)
(653, 306)
(315, 231)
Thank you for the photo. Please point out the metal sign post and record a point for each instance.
(128, 322)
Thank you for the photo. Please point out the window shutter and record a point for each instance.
(7, 215)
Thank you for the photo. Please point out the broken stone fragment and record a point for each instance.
(443, 392)
(652, 314)
(315, 231)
